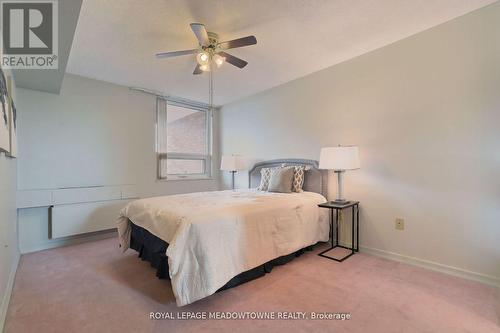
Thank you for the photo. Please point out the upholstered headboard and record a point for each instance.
(315, 179)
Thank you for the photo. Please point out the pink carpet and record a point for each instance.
(93, 287)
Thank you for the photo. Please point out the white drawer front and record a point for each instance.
(91, 194)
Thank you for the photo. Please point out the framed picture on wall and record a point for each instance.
(4, 114)
(12, 120)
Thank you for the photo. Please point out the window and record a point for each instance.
(183, 140)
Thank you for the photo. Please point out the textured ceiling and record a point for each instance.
(116, 40)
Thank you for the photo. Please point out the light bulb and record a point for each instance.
(205, 67)
(219, 60)
(202, 58)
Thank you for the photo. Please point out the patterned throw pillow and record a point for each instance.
(265, 176)
(298, 178)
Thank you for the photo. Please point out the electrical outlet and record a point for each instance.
(400, 224)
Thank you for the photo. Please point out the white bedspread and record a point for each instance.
(214, 236)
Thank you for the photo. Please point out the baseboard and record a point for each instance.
(434, 266)
(8, 292)
(67, 241)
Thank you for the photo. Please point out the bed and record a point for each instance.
(210, 241)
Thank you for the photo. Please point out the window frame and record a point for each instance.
(206, 158)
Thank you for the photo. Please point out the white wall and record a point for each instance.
(425, 114)
(9, 254)
(92, 134)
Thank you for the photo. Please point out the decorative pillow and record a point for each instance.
(265, 176)
(281, 180)
(298, 178)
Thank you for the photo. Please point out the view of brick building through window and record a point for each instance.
(186, 134)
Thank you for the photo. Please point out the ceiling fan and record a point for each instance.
(211, 50)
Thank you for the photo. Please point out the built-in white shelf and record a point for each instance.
(74, 195)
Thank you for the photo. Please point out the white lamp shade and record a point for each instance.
(339, 158)
(232, 163)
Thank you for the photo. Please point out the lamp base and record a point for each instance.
(340, 198)
(341, 201)
(232, 179)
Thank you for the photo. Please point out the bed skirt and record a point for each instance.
(153, 249)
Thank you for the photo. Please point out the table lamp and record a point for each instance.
(232, 163)
(339, 159)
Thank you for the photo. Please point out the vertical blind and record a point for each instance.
(161, 142)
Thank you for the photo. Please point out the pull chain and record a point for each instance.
(210, 90)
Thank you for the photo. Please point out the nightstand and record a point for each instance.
(338, 207)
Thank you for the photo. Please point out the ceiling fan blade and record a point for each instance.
(235, 61)
(175, 53)
(240, 42)
(200, 32)
(197, 70)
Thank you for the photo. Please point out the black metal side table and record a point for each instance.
(339, 206)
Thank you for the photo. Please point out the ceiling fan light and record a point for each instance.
(205, 67)
(219, 60)
(202, 58)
